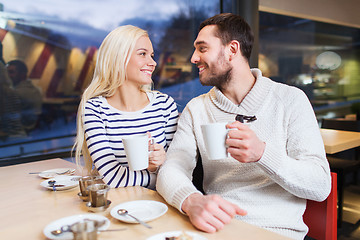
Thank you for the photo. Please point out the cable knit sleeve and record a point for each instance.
(171, 120)
(174, 178)
(302, 168)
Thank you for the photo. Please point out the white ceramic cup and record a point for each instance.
(137, 151)
(215, 135)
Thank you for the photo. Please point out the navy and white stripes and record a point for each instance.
(105, 126)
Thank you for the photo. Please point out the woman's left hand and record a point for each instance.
(157, 157)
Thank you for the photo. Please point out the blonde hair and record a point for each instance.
(110, 72)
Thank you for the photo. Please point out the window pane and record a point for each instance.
(320, 58)
(58, 41)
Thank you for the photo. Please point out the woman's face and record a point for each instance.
(141, 64)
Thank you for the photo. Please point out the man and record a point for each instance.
(277, 161)
(30, 96)
(10, 106)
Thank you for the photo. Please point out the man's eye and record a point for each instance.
(202, 49)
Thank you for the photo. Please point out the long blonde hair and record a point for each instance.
(110, 72)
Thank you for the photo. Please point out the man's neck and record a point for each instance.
(239, 86)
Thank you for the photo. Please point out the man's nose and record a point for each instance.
(194, 58)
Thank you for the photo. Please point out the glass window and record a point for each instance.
(57, 42)
(320, 58)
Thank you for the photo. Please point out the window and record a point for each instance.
(321, 59)
(58, 42)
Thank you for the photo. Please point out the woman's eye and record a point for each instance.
(142, 53)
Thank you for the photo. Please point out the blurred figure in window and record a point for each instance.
(10, 105)
(29, 95)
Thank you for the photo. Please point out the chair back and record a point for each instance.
(345, 125)
(321, 217)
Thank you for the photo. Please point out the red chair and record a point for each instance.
(321, 217)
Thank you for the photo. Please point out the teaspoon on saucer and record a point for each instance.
(125, 212)
(53, 185)
(60, 231)
(69, 171)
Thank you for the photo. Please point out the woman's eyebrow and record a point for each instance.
(144, 49)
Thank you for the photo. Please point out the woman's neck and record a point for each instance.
(128, 99)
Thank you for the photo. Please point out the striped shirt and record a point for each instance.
(105, 126)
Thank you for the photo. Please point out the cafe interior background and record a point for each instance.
(299, 44)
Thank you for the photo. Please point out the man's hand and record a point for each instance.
(243, 144)
(210, 213)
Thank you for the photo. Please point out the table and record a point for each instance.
(27, 208)
(351, 117)
(338, 140)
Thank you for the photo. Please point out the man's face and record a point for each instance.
(14, 74)
(209, 57)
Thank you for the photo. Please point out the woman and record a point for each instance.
(115, 105)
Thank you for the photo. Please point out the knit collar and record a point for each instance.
(252, 101)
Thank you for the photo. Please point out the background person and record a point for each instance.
(277, 161)
(30, 95)
(10, 105)
(116, 105)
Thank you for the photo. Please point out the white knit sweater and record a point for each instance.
(273, 190)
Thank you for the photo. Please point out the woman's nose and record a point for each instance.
(152, 62)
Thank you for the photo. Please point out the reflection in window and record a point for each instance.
(58, 42)
(320, 58)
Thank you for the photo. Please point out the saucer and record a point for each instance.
(174, 234)
(71, 220)
(84, 198)
(68, 182)
(146, 210)
(56, 172)
(98, 209)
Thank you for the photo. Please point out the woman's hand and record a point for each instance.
(157, 157)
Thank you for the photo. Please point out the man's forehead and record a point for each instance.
(205, 35)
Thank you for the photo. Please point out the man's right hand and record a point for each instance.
(210, 213)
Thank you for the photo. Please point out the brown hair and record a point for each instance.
(232, 27)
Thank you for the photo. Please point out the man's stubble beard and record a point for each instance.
(219, 80)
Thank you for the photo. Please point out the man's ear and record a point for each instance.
(234, 49)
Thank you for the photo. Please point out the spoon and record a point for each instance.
(52, 184)
(60, 231)
(125, 212)
(69, 171)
